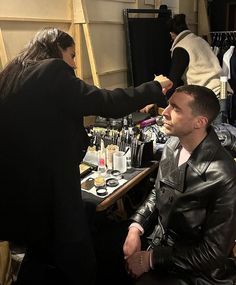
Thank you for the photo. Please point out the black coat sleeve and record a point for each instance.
(79, 97)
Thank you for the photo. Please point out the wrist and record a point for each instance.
(136, 228)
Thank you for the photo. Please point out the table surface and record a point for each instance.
(120, 192)
(138, 175)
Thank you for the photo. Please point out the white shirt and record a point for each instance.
(183, 156)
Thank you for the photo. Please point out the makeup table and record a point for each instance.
(133, 176)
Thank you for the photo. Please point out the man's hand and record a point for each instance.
(132, 242)
(138, 263)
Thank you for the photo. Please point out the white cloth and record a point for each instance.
(204, 68)
(226, 62)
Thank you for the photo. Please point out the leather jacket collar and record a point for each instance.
(199, 160)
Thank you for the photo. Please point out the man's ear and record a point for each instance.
(201, 122)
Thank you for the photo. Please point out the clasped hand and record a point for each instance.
(137, 261)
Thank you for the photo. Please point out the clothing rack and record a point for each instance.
(223, 39)
(223, 35)
(224, 43)
(222, 32)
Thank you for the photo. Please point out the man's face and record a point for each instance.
(178, 118)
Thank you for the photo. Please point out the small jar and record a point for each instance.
(99, 181)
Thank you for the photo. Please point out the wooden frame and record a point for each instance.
(3, 54)
(124, 1)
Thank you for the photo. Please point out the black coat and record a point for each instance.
(197, 206)
(42, 143)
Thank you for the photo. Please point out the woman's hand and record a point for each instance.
(165, 82)
(147, 108)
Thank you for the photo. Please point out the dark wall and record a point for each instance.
(217, 10)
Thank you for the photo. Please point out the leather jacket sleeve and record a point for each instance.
(217, 236)
(147, 213)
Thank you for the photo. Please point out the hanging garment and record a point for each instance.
(226, 62)
(232, 80)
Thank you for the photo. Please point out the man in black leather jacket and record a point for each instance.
(193, 206)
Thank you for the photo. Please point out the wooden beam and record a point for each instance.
(79, 12)
(71, 30)
(27, 19)
(106, 22)
(5, 261)
(203, 21)
(157, 4)
(3, 54)
(78, 51)
(114, 71)
(92, 60)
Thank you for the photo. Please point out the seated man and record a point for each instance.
(192, 210)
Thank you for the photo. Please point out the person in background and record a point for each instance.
(43, 141)
(189, 217)
(192, 59)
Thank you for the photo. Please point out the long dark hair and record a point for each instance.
(45, 44)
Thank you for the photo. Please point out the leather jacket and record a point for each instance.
(196, 204)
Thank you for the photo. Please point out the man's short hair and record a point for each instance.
(205, 101)
(177, 24)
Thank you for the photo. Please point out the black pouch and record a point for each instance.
(142, 154)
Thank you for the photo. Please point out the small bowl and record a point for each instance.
(117, 174)
(101, 191)
(112, 182)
